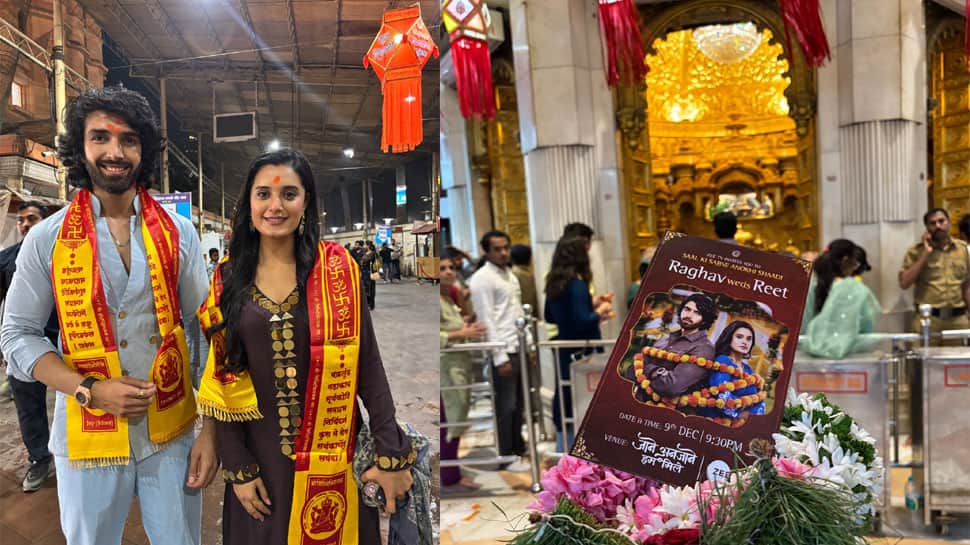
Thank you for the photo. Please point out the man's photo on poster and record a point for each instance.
(705, 354)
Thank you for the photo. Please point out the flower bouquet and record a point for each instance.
(815, 483)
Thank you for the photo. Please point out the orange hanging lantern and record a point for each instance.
(401, 49)
(467, 22)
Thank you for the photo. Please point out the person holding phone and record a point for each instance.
(938, 269)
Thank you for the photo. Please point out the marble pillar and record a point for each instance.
(466, 203)
(568, 136)
(876, 87)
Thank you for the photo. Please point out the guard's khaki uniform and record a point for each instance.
(940, 285)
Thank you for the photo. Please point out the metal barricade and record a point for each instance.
(946, 429)
(860, 385)
(478, 387)
(580, 396)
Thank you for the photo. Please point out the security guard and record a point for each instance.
(939, 268)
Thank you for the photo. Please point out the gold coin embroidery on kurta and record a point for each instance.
(281, 334)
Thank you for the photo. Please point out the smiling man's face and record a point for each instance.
(112, 152)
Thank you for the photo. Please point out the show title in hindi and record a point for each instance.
(669, 458)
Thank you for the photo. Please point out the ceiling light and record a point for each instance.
(334, 230)
(358, 226)
(727, 44)
(274, 145)
(349, 153)
(387, 221)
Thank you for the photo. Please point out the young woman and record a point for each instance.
(456, 370)
(841, 310)
(570, 306)
(732, 350)
(291, 349)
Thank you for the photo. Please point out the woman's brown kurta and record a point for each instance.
(264, 441)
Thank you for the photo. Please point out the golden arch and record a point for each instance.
(649, 215)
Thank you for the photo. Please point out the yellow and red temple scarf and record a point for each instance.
(324, 507)
(94, 437)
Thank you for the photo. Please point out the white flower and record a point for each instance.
(626, 518)
(860, 434)
(681, 505)
(805, 425)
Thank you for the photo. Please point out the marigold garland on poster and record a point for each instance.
(702, 398)
(398, 53)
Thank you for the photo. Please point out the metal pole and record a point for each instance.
(164, 120)
(222, 192)
(925, 324)
(363, 204)
(201, 189)
(520, 325)
(434, 201)
(60, 91)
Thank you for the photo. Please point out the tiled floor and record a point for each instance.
(408, 342)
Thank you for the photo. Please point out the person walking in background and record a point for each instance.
(645, 258)
(387, 267)
(840, 309)
(397, 252)
(520, 256)
(368, 276)
(497, 299)
(210, 265)
(726, 226)
(570, 306)
(457, 369)
(30, 397)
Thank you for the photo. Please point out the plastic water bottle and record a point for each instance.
(914, 502)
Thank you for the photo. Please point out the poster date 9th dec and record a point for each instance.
(686, 432)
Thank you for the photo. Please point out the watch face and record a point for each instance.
(81, 398)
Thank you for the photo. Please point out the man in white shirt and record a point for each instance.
(497, 298)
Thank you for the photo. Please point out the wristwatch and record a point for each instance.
(83, 392)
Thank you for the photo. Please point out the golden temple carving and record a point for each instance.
(950, 178)
(737, 151)
(692, 87)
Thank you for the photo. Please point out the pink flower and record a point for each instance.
(793, 469)
(599, 490)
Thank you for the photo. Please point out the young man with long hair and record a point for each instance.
(125, 278)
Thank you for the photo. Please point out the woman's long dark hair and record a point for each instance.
(238, 274)
(569, 261)
(723, 344)
(828, 267)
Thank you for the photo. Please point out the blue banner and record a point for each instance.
(402, 195)
(179, 203)
(383, 236)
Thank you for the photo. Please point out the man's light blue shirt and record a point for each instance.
(130, 301)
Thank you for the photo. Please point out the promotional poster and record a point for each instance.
(702, 363)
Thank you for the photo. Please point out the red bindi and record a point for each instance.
(276, 180)
(114, 128)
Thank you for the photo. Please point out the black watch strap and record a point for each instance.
(88, 382)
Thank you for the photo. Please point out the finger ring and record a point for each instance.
(141, 394)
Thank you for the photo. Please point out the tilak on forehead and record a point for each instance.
(276, 179)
